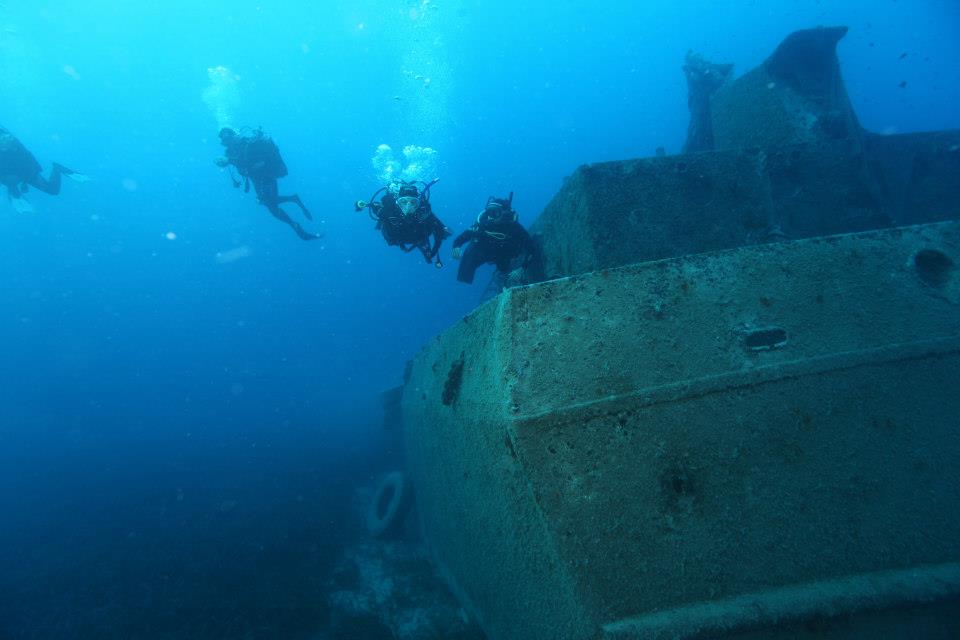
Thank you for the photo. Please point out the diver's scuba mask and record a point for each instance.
(408, 205)
(497, 210)
(493, 212)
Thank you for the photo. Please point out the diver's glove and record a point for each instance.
(457, 253)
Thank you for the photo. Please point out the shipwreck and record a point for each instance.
(733, 410)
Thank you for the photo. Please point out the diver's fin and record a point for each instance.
(21, 205)
(76, 176)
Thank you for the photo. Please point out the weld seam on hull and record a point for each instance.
(727, 381)
(829, 598)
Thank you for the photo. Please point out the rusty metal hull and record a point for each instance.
(736, 444)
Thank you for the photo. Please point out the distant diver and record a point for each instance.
(497, 237)
(258, 160)
(703, 80)
(405, 218)
(19, 170)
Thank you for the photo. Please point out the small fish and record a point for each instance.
(903, 55)
(903, 84)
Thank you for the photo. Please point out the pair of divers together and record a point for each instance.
(405, 218)
(256, 158)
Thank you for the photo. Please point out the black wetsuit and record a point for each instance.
(18, 169)
(493, 241)
(412, 231)
(258, 160)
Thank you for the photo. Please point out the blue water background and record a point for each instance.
(173, 422)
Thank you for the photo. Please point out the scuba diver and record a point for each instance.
(405, 218)
(497, 237)
(258, 160)
(19, 170)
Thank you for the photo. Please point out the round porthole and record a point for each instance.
(933, 266)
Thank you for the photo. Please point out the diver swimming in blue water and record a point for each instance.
(257, 159)
(497, 237)
(20, 170)
(406, 219)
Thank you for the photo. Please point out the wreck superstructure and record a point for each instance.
(734, 412)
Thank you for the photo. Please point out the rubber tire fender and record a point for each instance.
(391, 503)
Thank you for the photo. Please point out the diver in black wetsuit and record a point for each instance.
(19, 170)
(258, 160)
(497, 237)
(405, 218)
